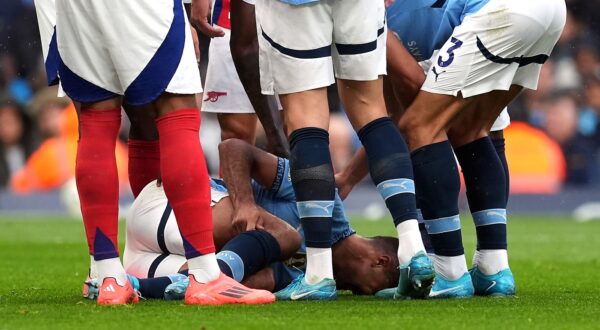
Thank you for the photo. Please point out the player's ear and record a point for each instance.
(382, 261)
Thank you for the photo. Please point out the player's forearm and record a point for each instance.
(403, 70)
(236, 168)
(357, 169)
(244, 50)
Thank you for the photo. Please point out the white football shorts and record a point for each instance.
(153, 244)
(224, 92)
(304, 47)
(135, 48)
(46, 16)
(503, 120)
(505, 43)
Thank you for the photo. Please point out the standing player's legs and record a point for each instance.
(456, 94)
(437, 182)
(97, 184)
(95, 70)
(296, 64)
(307, 116)
(359, 60)
(486, 182)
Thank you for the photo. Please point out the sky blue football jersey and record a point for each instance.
(425, 25)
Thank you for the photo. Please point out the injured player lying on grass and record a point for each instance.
(256, 229)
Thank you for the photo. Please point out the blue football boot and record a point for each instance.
(177, 289)
(300, 290)
(416, 278)
(460, 288)
(501, 284)
(388, 293)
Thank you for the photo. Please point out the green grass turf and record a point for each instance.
(555, 261)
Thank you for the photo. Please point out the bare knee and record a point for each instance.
(288, 238)
(242, 126)
(416, 131)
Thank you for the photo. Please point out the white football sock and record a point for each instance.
(319, 265)
(111, 268)
(204, 268)
(490, 262)
(93, 271)
(451, 268)
(409, 240)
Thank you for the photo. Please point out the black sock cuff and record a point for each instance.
(471, 149)
(374, 125)
(269, 244)
(308, 133)
(432, 153)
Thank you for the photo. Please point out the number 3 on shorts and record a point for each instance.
(456, 45)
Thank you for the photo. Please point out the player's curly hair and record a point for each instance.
(389, 246)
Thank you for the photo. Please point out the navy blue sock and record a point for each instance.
(500, 146)
(247, 253)
(438, 185)
(486, 191)
(390, 167)
(424, 235)
(154, 288)
(314, 184)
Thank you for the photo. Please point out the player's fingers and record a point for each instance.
(260, 224)
(210, 31)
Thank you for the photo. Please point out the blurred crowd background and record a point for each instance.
(560, 121)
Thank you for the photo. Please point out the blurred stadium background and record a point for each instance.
(553, 144)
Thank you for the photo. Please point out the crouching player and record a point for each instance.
(492, 50)
(408, 43)
(259, 202)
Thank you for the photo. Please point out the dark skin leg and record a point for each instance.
(480, 115)
(244, 50)
(142, 122)
(238, 126)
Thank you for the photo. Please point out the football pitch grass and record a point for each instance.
(556, 263)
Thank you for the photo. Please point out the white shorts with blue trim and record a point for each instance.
(135, 48)
(501, 123)
(307, 46)
(505, 43)
(153, 244)
(46, 16)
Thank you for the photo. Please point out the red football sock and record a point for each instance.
(97, 180)
(144, 164)
(185, 179)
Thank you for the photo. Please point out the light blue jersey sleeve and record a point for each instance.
(424, 26)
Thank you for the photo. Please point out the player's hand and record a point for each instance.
(199, 18)
(247, 217)
(388, 3)
(343, 184)
(196, 43)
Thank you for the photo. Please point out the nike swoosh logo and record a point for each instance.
(295, 296)
(440, 292)
(491, 286)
